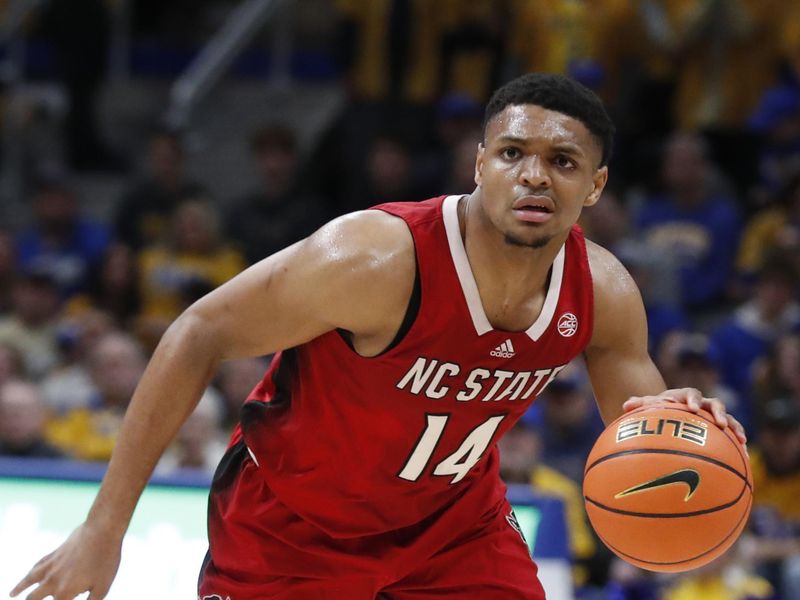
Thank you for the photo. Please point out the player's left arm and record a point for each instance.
(623, 375)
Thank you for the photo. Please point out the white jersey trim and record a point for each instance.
(470, 288)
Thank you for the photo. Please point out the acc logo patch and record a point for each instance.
(567, 324)
(215, 597)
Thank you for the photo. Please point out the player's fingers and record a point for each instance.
(33, 576)
(98, 594)
(41, 592)
(24, 584)
(693, 398)
(631, 403)
(44, 559)
(99, 591)
(717, 409)
(737, 429)
(637, 401)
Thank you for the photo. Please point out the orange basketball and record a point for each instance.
(667, 489)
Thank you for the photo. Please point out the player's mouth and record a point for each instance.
(533, 209)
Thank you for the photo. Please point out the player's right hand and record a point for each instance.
(86, 562)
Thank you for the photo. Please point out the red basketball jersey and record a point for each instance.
(359, 446)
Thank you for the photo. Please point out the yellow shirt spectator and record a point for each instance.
(760, 239)
(780, 493)
(430, 69)
(550, 482)
(195, 262)
(166, 274)
(746, 587)
(86, 434)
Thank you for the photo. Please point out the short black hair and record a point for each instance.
(561, 94)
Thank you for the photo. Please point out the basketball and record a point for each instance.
(667, 489)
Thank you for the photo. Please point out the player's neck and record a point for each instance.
(516, 272)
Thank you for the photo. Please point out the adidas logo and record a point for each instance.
(504, 350)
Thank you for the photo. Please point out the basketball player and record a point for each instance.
(413, 336)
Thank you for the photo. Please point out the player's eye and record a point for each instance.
(510, 153)
(564, 162)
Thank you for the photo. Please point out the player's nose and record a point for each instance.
(533, 173)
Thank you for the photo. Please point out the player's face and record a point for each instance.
(536, 170)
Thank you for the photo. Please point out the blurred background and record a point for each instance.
(150, 150)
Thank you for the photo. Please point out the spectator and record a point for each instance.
(655, 275)
(773, 230)
(390, 174)
(715, 46)
(779, 375)
(777, 121)
(790, 38)
(61, 241)
(552, 36)
(388, 49)
(69, 385)
(626, 582)
(144, 210)
(199, 443)
(725, 578)
(283, 209)
(692, 221)
(236, 379)
(407, 53)
(193, 262)
(30, 329)
(114, 288)
(116, 364)
(776, 482)
(691, 360)
(80, 32)
(748, 334)
(460, 174)
(473, 46)
(609, 222)
(8, 268)
(22, 420)
(11, 365)
(520, 449)
(449, 162)
(567, 422)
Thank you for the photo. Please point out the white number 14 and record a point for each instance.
(459, 462)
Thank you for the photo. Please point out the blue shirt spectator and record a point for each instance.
(750, 332)
(567, 420)
(699, 227)
(61, 242)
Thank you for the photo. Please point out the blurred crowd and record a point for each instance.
(703, 208)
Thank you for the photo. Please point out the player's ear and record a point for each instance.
(599, 180)
(479, 164)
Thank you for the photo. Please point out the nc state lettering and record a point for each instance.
(436, 379)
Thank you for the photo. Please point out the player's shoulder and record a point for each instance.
(367, 250)
(365, 263)
(618, 306)
(371, 238)
(611, 280)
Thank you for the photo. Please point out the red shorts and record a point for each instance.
(259, 549)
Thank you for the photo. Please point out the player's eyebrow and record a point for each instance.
(569, 149)
(562, 147)
(513, 139)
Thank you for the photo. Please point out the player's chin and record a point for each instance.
(527, 239)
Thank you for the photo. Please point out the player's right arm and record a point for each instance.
(355, 273)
